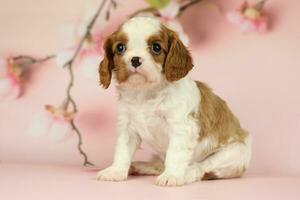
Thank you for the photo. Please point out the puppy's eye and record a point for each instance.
(120, 48)
(156, 48)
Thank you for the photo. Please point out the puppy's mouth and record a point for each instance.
(138, 72)
(138, 78)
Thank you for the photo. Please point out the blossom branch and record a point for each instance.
(69, 65)
(113, 4)
(187, 5)
(79, 145)
(33, 60)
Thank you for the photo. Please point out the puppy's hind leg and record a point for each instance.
(230, 162)
(151, 168)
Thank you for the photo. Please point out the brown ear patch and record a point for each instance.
(105, 73)
(106, 65)
(112, 62)
(120, 69)
(178, 61)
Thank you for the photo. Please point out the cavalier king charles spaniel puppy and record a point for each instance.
(195, 135)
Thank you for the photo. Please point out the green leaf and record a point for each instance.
(159, 4)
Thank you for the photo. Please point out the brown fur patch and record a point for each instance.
(120, 69)
(162, 39)
(178, 61)
(216, 120)
(174, 57)
(209, 176)
(112, 60)
(235, 173)
(105, 73)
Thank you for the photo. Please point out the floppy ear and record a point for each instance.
(107, 64)
(179, 61)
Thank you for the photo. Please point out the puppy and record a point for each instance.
(194, 133)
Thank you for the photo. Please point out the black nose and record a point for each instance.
(135, 61)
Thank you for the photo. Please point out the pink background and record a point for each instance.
(257, 74)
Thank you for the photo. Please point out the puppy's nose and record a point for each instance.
(136, 61)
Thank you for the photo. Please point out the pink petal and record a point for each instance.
(60, 129)
(89, 65)
(15, 91)
(248, 26)
(64, 56)
(13, 87)
(262, 26)
(81, 29)
(90, 51)
(68, 34)
(235, 17)
(98, 37)
(3, 67)
(5, 87)
(41, 123)
(170, 11)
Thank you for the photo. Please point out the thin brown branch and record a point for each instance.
(33, 60)
(112, 4)
(86, 162)
(69, 66)
(69, 98)
(86, 35)
(187, 5)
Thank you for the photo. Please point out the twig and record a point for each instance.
(111, 4)
(33, 60)
(69, 98)
(86, 162)
(86, 35)
(69, 66)
(187, 5)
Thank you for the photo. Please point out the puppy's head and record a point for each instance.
(143, 53)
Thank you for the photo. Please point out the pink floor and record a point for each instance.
(33, 181)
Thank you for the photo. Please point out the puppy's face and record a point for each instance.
(142, 54)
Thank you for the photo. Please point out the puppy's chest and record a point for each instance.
(149, 121)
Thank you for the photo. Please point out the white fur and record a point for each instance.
(157, 112)
(148, 75)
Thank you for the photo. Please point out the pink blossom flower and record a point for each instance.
(64, 56)
(168, 17)
(249, 18)
(91, 55)
(3, 67)
(170, 11)
(56, 122)
(89, 64)
(10, 79)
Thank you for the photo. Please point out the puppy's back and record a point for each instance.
(216, 119)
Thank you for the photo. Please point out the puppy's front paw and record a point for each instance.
(166, 179)
(112, 174)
